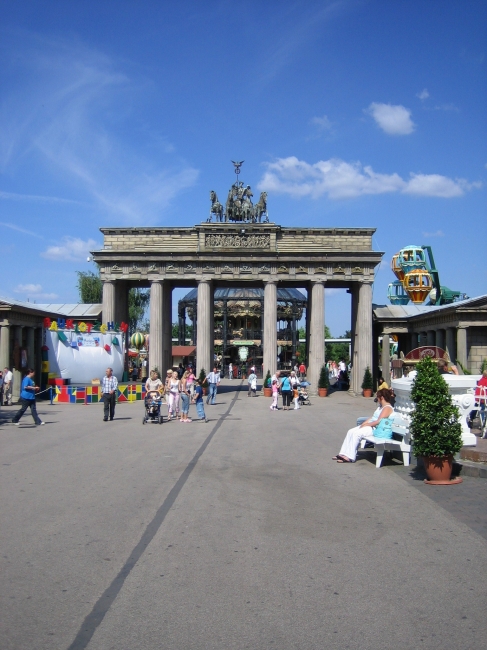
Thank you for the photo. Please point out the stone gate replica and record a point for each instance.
(239, 246)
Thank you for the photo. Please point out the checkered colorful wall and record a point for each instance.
(92, 394)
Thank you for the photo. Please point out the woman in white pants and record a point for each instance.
(379, 425)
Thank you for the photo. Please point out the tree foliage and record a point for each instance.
(368, 382)
(324, 380)
(90, 288)
(434, 425)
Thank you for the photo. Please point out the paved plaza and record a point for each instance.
(238, 533)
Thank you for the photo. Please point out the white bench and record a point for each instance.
(401, 441)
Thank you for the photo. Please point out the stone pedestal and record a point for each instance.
(316, 335)
(270, 328)
(205, 335)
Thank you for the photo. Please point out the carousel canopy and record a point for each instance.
(249, 293)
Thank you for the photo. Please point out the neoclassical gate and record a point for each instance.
(265, 255)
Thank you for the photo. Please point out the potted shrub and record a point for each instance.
(435, 427)
(267, 385)
(323, 382)
(203, 382)
(367, 383)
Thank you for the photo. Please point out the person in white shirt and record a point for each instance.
(252, 381)
(7, 387)
(230, 371)
(213, 380)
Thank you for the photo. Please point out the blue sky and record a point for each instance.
(349, 113)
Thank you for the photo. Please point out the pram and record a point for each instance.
(153, 403)
(303, 397)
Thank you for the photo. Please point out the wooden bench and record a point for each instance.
(400, 441)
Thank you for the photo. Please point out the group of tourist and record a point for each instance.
(181, 392)
(288, 387)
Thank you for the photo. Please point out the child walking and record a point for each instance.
(275, 395)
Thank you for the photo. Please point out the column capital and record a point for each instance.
(315, 282)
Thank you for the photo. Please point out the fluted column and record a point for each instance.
(270, 327)
(155, 331)
(166, 326)
(355, 379)
(108, 314)
(316, 334)
(440, 339)
(364, 332)
(462, 357)
(204, 336)
(450, 343)
(4, 347)
(386, 358)
(30, 337)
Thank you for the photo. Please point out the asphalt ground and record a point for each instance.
(238, 533)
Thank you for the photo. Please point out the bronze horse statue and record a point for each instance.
(216, 207)
(260, 209)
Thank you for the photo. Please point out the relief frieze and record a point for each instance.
(237, 241)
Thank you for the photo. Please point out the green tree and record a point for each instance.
(90, 289)
(435, 426)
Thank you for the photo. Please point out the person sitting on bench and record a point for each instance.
(379, 426)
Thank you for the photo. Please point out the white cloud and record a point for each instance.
(34, 291)
(338, 179)
(72, 249)
(424, 94)
(438, 233)
(322, 123)
(394, 120)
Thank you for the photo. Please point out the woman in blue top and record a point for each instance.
(379, 426)
(28, 398)
(286, 392)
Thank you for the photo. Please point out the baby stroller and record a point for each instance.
(153, 403)
(303, 397)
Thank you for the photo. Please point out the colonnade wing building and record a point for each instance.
(215, 255)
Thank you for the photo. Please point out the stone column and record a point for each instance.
(155, 332)
(4, 347)
(17, 371)
(108, 314)
(308, 323)
(355, 379)
(166, 326)
(450, 343)
(121, 302)
(431, 337)
(440, 339)
(30, 337)
(181, 325)
(38, 359)
(204, 342)
(270, 327)
(462, 357)
(386, 358)
(364, 333)
(414, 341)
(316, 335)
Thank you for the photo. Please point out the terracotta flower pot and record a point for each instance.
(367, 392)
(438, 468)
(322, 392)
(267, 392)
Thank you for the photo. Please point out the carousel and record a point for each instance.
(238, 318)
